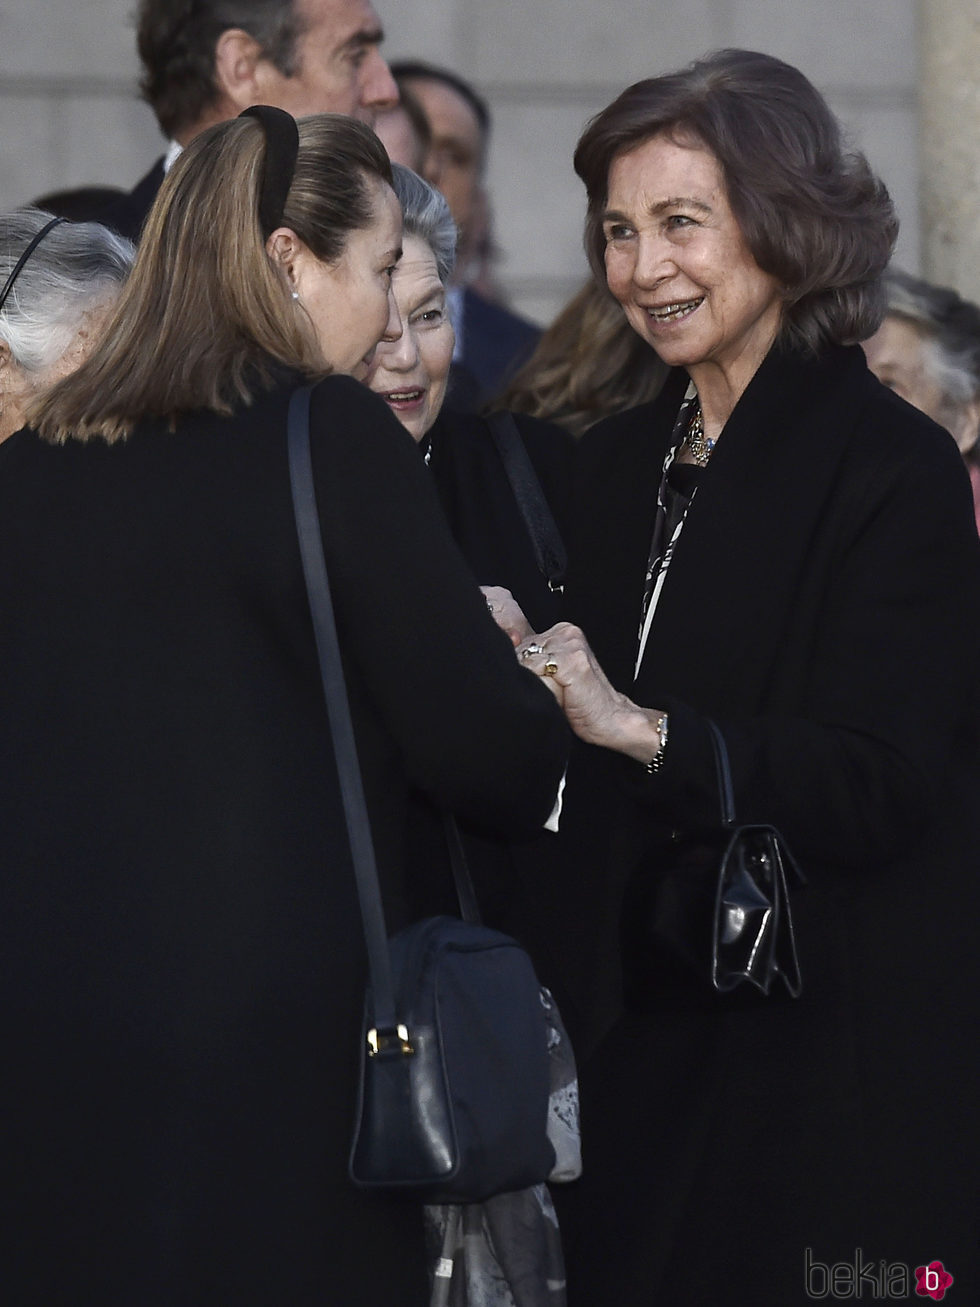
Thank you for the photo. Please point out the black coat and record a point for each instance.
(822, 606)
(182, 954)
(493, 537)
(482, 510)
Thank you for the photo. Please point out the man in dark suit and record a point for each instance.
(199, 68)
(491, 342)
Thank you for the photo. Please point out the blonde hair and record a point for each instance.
(206, 314)
(588, 365)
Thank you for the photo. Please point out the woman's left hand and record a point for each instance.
(596, 712)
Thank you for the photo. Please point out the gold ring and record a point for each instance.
(550, 668)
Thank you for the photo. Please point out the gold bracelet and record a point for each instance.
(656, 762)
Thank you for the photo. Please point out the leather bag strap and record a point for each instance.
(726, 791)
(549, 550)
(338, 707)
(469, 908)
(341, 726)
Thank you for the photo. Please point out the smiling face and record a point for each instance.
(339, 67)
(677, 262)
(350, 302)
(410, 374)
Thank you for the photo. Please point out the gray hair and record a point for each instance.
(426, 215)
(951, 327)
(73, 269)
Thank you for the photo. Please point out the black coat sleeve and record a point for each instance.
(851, 758)
(476, 731)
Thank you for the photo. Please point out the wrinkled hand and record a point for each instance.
(506, 612)
(596, 712)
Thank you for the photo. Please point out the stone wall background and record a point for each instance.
(71, 113)
(950, 143)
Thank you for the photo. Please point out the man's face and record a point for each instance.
(338, 66)
(455, 161)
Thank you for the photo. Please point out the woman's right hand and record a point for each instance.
(596, 712)
(507, 613)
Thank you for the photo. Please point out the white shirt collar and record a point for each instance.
(174, 150)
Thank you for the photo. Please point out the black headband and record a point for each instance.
(281, 149)
(32, 246)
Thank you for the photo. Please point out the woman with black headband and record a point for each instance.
(182, 960)
(58, 281)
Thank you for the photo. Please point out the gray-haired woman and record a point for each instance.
(411, 374)
(59, 280)
(928, 351)
(488, 1253)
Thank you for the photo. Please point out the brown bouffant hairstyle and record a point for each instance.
(177, 39)
(588, 365)
(206, 314)
(812, 213)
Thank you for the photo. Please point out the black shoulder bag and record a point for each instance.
(455, 1077)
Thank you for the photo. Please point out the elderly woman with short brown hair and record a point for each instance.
(780, 547)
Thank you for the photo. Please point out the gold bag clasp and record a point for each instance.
(388, 1040)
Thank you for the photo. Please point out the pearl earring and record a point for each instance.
(295, 294)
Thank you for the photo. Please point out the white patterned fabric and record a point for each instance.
(506, 1252)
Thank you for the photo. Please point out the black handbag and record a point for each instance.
(752, 937)
(717, 911)
(455, 1075)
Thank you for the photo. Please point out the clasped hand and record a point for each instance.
(563, 658)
